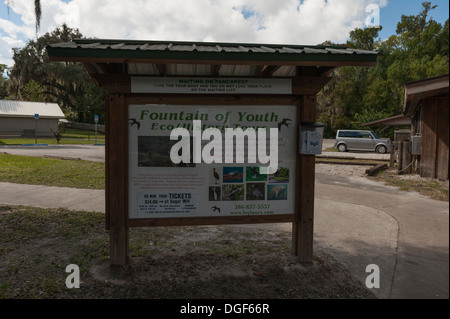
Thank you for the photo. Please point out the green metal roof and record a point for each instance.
(207, 52)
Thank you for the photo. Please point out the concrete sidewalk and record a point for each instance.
(405, 234)
(73, 151)
(52, 197)
(360, 223)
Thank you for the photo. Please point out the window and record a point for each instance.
(348, 134)
(365, 135)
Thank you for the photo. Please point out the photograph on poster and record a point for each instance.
(233, 174)
(154, 151)
(277, 192)
(252, 174)
(255, 191)
(233, 192)
(280, 176)
(215, 193)
(215, 176)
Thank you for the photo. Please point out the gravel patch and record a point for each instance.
(342, 170)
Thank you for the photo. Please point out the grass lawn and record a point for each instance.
(52, 172)
(70, 136)
(413, 183)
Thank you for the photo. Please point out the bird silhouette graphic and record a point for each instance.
(285, 123)
(134, 121)
(215, 208)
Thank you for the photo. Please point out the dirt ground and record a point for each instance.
(234, 262)
(202, 262)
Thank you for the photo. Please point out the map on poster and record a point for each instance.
(208, 183)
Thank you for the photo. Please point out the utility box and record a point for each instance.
(416, 148)
(311, 138)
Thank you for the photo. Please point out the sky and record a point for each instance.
(303, 22)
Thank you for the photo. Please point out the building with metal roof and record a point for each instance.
(17, 118)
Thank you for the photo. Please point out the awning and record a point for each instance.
(396, 120)
(423, 89)
(111, 63)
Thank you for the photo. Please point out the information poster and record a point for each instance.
(210, 86)
(210, 182)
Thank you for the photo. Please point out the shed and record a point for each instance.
(17, 118)
(209, 76)
(426, 103)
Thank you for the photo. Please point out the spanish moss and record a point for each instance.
(37, 12)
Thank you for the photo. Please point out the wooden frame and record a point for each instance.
(116, 167)
(207, 100)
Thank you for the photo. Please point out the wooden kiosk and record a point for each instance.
(156, 79)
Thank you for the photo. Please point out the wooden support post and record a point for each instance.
(406, 158)
(392, 159)
(303, 225)
(400, 157)
(116, 168)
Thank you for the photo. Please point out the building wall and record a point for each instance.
(435, 138)
(15, 127)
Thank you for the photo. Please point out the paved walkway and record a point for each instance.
(405, 234)
(52, 197)
(358, 221)
(74, 151)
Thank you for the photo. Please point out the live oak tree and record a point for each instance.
(34, 77)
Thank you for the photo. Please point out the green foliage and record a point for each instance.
(364, 38)
(32, 91)
(357, 95)
(58, 133)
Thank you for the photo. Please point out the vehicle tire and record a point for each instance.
(342, 148)
(381, 149)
